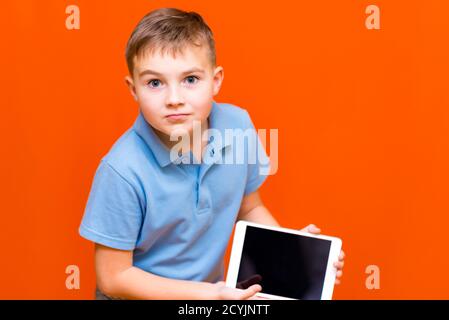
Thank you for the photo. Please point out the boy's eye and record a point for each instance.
(154, 83)
(191, 79)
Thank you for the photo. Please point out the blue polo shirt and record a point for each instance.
(177, 217)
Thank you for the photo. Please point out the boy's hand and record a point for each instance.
(226, 293)
(311, 228)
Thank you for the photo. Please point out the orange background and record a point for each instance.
(363, 123)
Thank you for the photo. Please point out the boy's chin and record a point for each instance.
(179, 131)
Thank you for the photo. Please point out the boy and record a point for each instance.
(161, 224)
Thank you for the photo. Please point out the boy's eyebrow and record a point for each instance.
(148, 71)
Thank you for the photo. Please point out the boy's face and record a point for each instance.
(172, 92)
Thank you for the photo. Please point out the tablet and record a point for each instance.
(288, 264)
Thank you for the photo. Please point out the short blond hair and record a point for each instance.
(169, 30)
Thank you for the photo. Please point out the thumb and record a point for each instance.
(248, 293)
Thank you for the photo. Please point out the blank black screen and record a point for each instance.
(284, 264)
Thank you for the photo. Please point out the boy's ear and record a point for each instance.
(218, 79)
(130, 83)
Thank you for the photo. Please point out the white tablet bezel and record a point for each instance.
(236, 253)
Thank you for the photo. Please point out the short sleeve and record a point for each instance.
(113, 214)
(258, 163)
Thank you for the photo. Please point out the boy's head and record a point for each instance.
(172, 69)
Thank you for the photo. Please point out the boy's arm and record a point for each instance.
(118, 278)
(253, 210)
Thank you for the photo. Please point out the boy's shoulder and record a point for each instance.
(127, 154)
(130, 152)
(231, 116)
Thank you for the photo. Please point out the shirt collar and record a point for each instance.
(162, 153)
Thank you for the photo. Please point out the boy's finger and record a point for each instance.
(251, 291)
(342, 255)
(313, 229)
(339, 264)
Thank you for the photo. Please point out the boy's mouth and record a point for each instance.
(177, 116)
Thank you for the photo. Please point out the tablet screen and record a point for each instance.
(284, 264)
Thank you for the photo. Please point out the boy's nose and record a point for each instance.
(174, 97)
